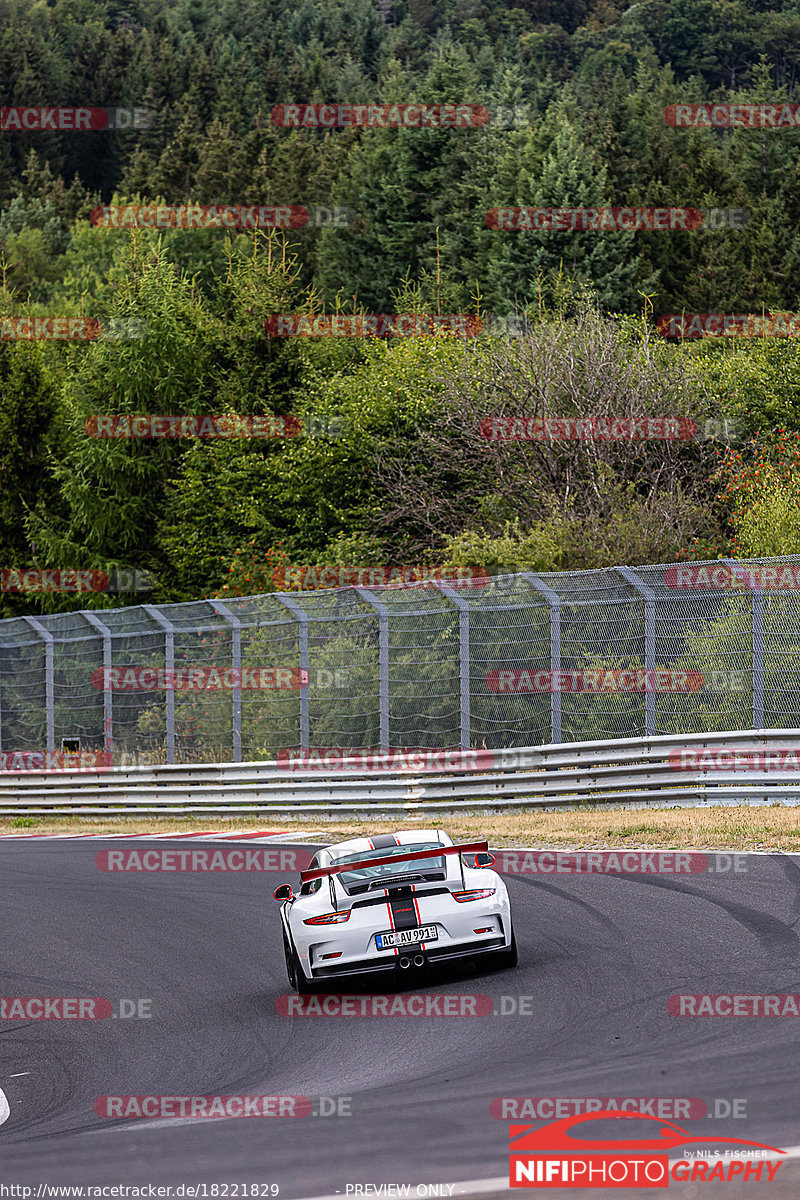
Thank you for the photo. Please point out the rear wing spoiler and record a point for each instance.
(358, 864)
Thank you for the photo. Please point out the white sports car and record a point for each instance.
(394, 901)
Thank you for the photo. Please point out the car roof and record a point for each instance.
(403, 837)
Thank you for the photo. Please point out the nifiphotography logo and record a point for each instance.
(552, 1156)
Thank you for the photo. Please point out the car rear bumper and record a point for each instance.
(382, 965)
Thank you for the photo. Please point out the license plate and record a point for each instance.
(406, 937)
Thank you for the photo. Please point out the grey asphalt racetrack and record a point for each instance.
(599, 957)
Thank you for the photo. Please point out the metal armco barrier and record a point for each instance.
(735, 767)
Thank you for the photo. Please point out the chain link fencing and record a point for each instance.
(512, 660)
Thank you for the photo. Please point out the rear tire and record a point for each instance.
(505, 959)
(289, 956)
(298, 977)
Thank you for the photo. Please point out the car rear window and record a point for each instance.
(361, 877)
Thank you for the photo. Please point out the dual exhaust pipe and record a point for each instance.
(405, 961)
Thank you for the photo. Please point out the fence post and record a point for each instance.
(236, 664)
(302, 645)
(49, 685)
(463, 659)
(108, 713)
(383, 661)
(554, 600)
(3, 646)
(630, 576)
(757, 625)
(758, 659)
(169, 669)
(2, 674)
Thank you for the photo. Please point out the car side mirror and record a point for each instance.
(479, 860)
(284, 892)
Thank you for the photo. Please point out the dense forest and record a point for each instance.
(384, 457)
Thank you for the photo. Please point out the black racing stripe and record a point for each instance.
(383, 841)
(374, 901)
(404, 913)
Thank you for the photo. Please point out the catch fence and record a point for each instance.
(508, 661)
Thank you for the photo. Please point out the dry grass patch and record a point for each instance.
(729, 828)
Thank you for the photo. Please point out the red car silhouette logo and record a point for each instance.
(556, 1136)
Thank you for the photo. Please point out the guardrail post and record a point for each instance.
(236, 664)
(383, 661)
(49, 686)
(302, 645)
(554, 600)
(463, 659)
(630, 576)
(169, 668)
(108, 714)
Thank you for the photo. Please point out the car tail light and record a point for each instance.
(486, 929)
(477, 894)
(329, 918)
